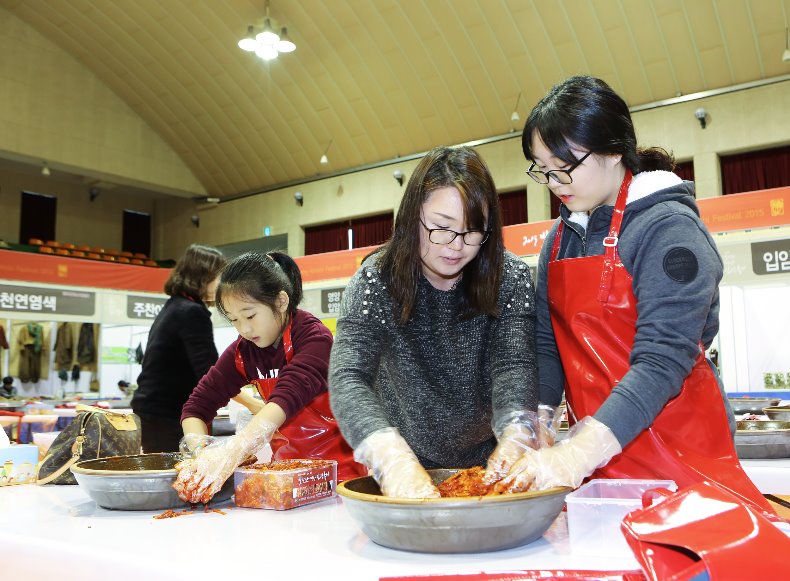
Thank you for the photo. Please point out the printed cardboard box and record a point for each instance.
(18, 464)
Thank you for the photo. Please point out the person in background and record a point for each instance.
(8, 390)
(284, 352)
(434, 364)
(628, 300)
(180, 348)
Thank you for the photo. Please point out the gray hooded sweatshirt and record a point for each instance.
(677, 300)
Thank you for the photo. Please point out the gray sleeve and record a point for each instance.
(514, 373)
(354, 361)
(676, 271)
(551, 376)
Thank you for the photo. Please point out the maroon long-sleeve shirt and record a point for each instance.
(298, 383)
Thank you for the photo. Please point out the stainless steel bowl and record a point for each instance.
(757, 439)
(751, 405)
(451, 525)
(139, 482)
(781, 413)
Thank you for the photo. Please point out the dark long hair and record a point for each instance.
(400, 260)
(261, 277)
(194, 271)
(586, 111)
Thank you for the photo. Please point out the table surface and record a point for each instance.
(59, 531)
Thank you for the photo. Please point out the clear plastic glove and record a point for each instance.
(515, 432)
(395, 466)
(549, 421)
(590, 445)
(201, 477)
(190, 444)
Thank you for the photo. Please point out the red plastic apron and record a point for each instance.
(593, 313)
(313, 432)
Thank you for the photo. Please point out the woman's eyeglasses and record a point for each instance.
(561, 176)
(445, 236)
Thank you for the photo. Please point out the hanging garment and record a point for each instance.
(595, 357)
(311, 433)
(30, 340)
(64, 348)
(86, 347)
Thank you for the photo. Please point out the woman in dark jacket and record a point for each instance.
(180, 348)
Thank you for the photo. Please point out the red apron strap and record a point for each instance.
(610, 242)
(555, 248)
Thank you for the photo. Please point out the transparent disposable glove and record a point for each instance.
(549, 421)
(191, 444)
(590, 445)
(515, 432)
(395, 466)
(201, 477)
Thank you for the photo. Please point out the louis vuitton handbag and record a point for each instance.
(94, 433)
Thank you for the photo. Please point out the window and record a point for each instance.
(136, 232)
(357, 233)
(755, 170)
(514, 207)
(685, 170)
(37, 217)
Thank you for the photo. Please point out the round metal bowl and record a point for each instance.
(139, 482)
(751, 405)
(451, 525)
(781, 413)
(758, 439)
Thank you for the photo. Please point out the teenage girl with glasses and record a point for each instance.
(433, 364)
(628, 301)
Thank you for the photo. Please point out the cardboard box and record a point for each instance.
(285, 484)
(18, 464)
(596, 509)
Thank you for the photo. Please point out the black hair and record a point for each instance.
(400, 262)
(261, 278)
(586, 112)
(8, 380)
(194, 271)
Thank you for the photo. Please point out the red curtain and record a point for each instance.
(514, 207)
(685, 170)
(756, 170)
(372, 230)
(326, 238)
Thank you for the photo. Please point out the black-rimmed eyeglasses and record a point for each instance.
(561, 176)
(445, 236)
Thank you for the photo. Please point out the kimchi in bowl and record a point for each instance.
(472, 524)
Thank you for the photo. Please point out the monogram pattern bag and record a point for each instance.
(94, 433)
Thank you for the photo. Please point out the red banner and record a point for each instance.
(745, 211)
(64, 270)
(526, 239)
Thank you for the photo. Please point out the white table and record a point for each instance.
(58, 532)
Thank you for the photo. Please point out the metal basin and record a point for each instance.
(139, 482)
(751, 405)
(781, 413)
(759, 439)
(451, 525)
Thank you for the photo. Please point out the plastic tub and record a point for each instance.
(596, 509)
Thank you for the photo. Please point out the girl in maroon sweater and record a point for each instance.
(284, 352)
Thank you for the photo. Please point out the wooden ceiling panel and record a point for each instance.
(382, 78)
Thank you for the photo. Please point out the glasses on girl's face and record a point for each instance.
(561, 176)
(445, 236)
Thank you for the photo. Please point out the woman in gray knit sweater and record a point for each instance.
(433, 363)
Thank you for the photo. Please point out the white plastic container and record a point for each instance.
(596, 509)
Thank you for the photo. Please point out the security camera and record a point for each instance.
(299, 198)
(398, 175)
(702, 116)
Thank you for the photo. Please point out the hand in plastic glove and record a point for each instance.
(190, 444)
(199, 479)
(394, 465)
(514, 439)
(549, 421)
(590, 445)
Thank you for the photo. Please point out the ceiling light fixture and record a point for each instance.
(514, 116)
(45, 170)
(324, 159)
(786, 54)
(267, 44)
